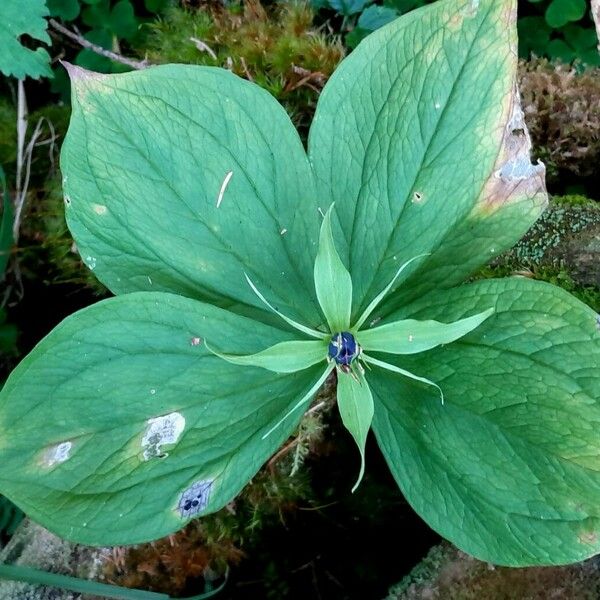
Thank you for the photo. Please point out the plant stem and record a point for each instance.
(28, 575)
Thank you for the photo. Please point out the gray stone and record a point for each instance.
(446, 573)
(34, 546)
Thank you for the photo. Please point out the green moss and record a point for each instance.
(425, 571)
(276, 47)
(46, 247)
(574, 200)
(8, 133)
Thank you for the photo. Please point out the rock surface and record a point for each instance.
(448, 574)
(567, 237)
(36, 547)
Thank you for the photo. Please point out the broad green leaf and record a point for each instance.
(332, 280)
(370, 360)
(419, 140)
(183, 178)
(121, 417)
(6, 225)
(410, 336)
(19, 18)
(377, 300)
(306, 330)
(508, 468)
(304, 400)
(355, 403)
(285, 357)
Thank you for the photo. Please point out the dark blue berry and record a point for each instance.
(343, 348)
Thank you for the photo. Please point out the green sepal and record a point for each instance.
(285, 357)
(306, 330)
(410, 336)
(308, 396)
(332, 280)
(355, 403)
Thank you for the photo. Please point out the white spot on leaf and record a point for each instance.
(418, 198)
(195, 341)
(58, 454)
(160, 431)
(99, 209)
(283, 231)
(90, 261)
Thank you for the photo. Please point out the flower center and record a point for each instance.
(343, 348)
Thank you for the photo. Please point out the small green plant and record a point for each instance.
(247, 272)
(556, 29)
(559, 30)
(17, 19)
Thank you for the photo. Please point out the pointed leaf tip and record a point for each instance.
(79, 75)
(410, 336)
(355, 403)
(285, 357)
(75, 72)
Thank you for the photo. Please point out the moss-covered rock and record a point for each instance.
(448, 574)
(33, 546)
(563, 247)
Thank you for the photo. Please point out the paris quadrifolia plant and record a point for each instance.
(247, 271)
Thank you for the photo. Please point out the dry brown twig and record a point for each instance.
(76, 37)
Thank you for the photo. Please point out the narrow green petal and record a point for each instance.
(410, 336)
(355, 403)
(307, 397)
(294, 324)
(332, 280)
(285, 357)
(395, 369)
(375, 302)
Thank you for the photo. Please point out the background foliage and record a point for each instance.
(555, 29)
